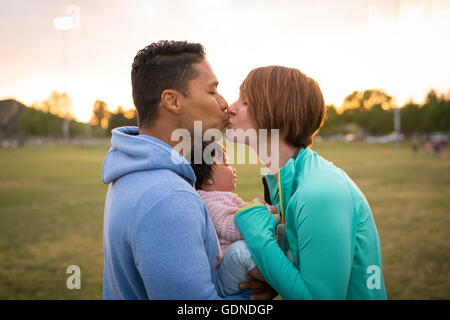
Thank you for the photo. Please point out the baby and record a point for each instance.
(215, 181)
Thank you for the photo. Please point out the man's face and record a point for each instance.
(204, 102)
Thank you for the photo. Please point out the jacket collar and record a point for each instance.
(286, 182)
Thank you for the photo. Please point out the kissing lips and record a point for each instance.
(228, 124)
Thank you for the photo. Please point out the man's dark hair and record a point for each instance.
(203, 170)
(159, 66)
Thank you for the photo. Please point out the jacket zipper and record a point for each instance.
(281, 197)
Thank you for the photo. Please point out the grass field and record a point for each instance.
(51, 216)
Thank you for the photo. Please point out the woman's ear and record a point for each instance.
(170, 100)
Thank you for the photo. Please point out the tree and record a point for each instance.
(332, 121)
(121, 118)
(367, 99)
(59, 104)
(436, 113)
(431, 98)
(378, 121)
(100, 114)
(35, 122)
(371, 110)
(412, 119)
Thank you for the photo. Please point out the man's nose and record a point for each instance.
(223, 103)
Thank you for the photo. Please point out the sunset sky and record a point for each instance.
(345, 45)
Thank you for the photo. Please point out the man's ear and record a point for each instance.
(209, 181)
(170, 100)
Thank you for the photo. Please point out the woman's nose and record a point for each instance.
(222, 103)
(232, 110)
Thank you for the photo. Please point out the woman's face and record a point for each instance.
(239, 119)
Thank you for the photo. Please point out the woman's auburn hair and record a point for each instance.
(285, 99)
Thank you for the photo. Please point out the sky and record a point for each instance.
(398, 46)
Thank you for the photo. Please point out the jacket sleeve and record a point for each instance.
(168, 245)
(323, 227)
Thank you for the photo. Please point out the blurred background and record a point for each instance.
(383, 67)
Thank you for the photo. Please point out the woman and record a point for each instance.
(332, 249)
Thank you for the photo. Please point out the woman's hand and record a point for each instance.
(272, 209)
(262, 290)
(256, 200)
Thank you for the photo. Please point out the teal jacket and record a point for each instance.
(331, 237)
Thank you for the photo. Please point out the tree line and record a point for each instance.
(53, 116)
(372, 112)
(362, 112)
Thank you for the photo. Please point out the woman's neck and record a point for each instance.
(277, 155)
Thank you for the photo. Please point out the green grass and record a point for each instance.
(51, 216)
(51, 213)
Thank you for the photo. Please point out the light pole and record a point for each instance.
(65, 24)
(397, 121)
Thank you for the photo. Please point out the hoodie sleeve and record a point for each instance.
(168, 245)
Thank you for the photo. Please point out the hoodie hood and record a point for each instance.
(131, 152)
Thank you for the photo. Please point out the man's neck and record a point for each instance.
(160, 131)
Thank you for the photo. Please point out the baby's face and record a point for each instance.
(224, 176)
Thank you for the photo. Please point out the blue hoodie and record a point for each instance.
(158, 240)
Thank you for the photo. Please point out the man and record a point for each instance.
(158, 240)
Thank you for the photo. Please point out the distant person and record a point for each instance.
(330, 230)
(437, 147)
(158, 240)
(215, 183)
(428, 147)
(415, 146)
(443, 143)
